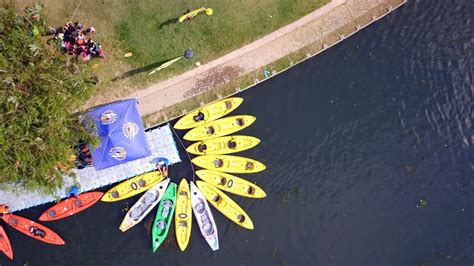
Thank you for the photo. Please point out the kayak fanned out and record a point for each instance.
(220, 127)
(144, 205)
(5, 245)
(204, 217)
(133, 186)
(208, 113)
(164, 217)
(71, 206)
(225, 205)
(231, 183)
(223, 145)
(33, 229)
(229, 164)
(183, 215)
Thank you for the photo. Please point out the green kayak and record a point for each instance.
(163, 217)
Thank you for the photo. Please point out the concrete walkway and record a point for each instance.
(305, 31)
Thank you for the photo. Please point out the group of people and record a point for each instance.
(84, 156)
(74, 41)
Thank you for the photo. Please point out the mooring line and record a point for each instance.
(187, 153)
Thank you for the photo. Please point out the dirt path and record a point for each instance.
(260, 53)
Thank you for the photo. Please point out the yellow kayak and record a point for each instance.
(132, 186)
(208, 113)
(221, 127)
(223, 145)
(225, 205)
(229, 164)
(182, 217)
(231, 183)
(194, 13)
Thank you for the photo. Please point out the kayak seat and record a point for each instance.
(114, 194)
(210, 131)
(207, 226)
(198, 117)
(228, 104)
(251, 190)
(239, 121)
(136, 213)
(223, 181)
(150, 197)
(218, 163)
(200, 207)
(202, 147)
(183, 193)
(249, 166)
(232, 144)
(216, 198)
(141, 183)
(52, 213)
(77, 203)
(167, 204)
(183, 224)
(240, 218)
(161, 225)
(39, 232)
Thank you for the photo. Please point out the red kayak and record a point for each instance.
(71, 206)
(33, 229)
(5, 246)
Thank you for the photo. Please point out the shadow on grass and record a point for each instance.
(168, 22)
(139, 70)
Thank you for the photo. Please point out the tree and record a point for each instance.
(39, 89)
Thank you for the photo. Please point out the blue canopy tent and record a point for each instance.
(121, 134)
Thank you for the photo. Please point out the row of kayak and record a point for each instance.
(172, 200)
(40, 232)
(29, 228)
(213, 145)
(71, 206)
(220, 127)
(180, 202)
(213, 139)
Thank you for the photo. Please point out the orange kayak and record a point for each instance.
(71, 206)
(33, 229)
(5, 246)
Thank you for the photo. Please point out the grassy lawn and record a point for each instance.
(147, 28)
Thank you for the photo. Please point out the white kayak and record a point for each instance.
(204, 217)
(144, 205)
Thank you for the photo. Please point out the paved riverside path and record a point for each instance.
(288, 39)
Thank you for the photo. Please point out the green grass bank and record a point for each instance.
(149, 30)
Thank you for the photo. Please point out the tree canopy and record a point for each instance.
(39, 88)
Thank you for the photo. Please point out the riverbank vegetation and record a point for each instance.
(40, 87)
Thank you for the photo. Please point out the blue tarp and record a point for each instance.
(121, 133)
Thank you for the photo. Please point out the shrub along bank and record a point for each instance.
(39, 87)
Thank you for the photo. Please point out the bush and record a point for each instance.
(39, 89)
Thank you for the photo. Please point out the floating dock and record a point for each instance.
(161, 143)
